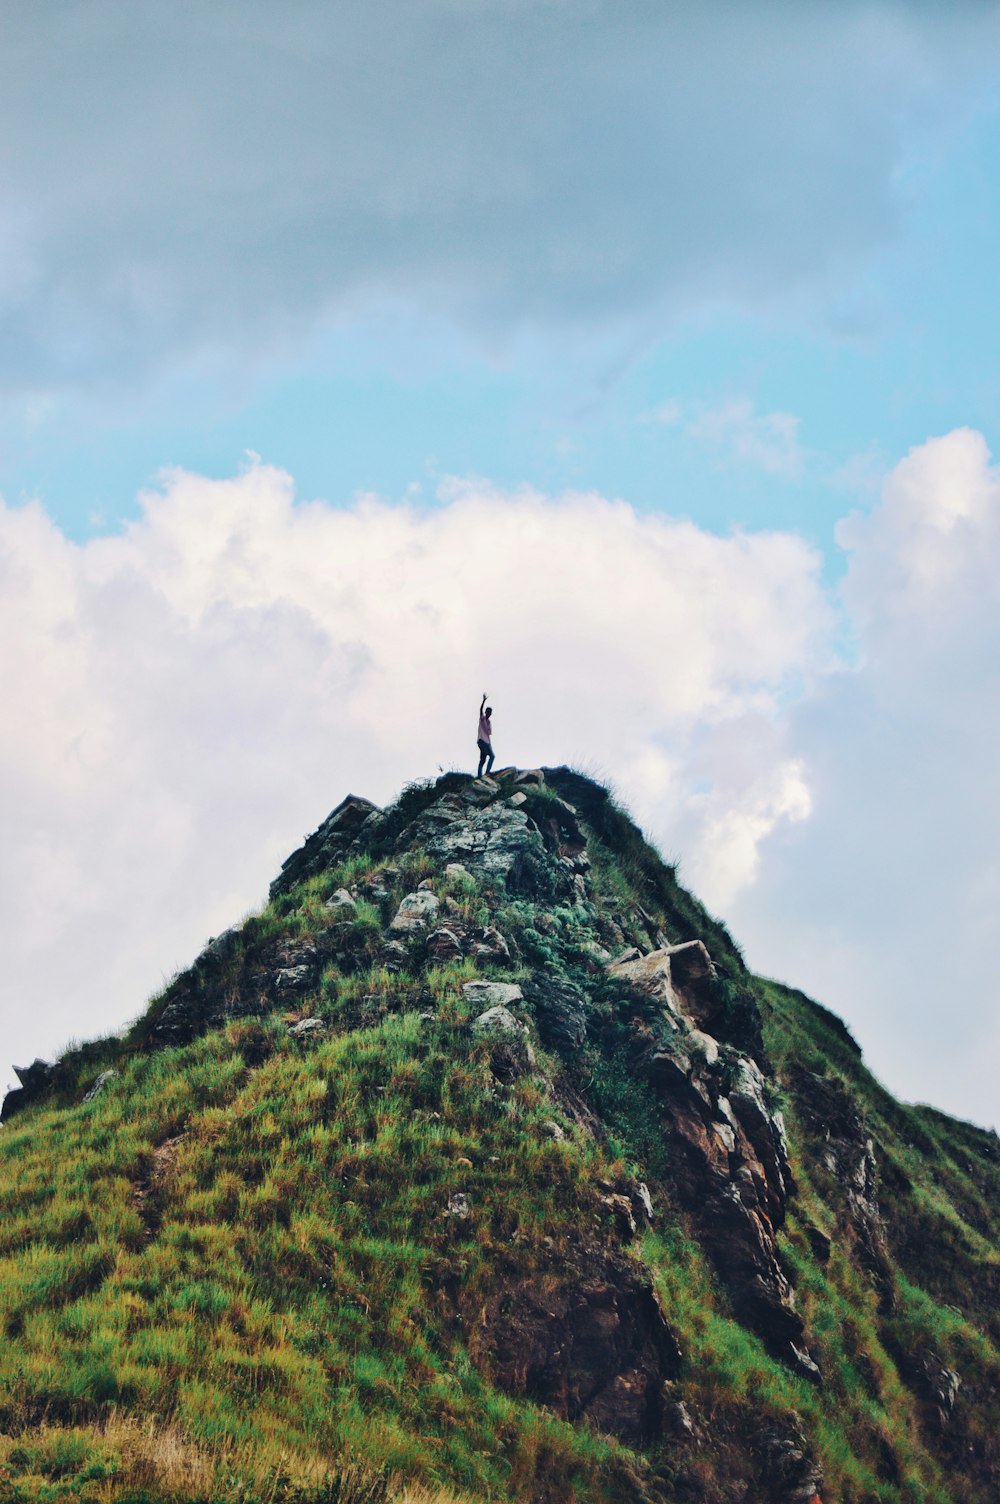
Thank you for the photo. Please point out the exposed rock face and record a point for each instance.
(789, 1472)
(846, 1149)
(444, 945)
(559, 1012)
(497, 842)
(588, 1339)
(327, 845)
(938, 1385)
(731, 1160)
(37, 1080)
(680, 976)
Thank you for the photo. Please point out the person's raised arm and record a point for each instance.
(482, 703)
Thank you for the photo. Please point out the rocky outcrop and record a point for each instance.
(731, 1164)
(560, 1013)
(37, 1080)
(842, 1144)
(327, 845)
(587, 1338)
(682, 977)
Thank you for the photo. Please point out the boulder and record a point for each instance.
(415, 912)
(649, 974)
(443, 946)
(489, 948)
(492, 994)
(394, 955)
(342, 906)
(306, 1027)
(498, 1020)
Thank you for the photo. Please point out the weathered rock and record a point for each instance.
(589, 1340)
(444, 945)
(326, 846)
(341, 905)
(730, 1158)
(551, 1129)
(455, 869)
(620, 1208)
(99, 1085)
(934, 1383)
(394, 956)
(642, 1201)
(415, 912)
(533, 776)
(372, 830)
(488, 947)
(511, 1055)
(693, 974)
(294, 978)
(497, 1020)
(306, 1028)
(36, 1081)
(789, 1473)
(559, 1012)
(682, 977)
(480, 791)
(458, 1206)
(219, 950)
(840, 1138)
(492, 994)
(496, 843)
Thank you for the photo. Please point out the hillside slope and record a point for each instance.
(479, 1160)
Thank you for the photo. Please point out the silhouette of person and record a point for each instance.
(484, 739)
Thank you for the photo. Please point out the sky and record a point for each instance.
(634, 361)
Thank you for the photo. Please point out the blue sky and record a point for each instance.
(899, 347)
(355, 355)
(884, 341)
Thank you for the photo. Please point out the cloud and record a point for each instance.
(191, 179)
(884, 901)
(184, 700)
(763, 441)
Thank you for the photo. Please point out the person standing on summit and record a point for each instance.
(484, 738)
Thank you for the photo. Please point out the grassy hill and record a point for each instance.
(459, 1172)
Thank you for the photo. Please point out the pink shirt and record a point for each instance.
(485, 729)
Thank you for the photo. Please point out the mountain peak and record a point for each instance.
(479, 1156)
